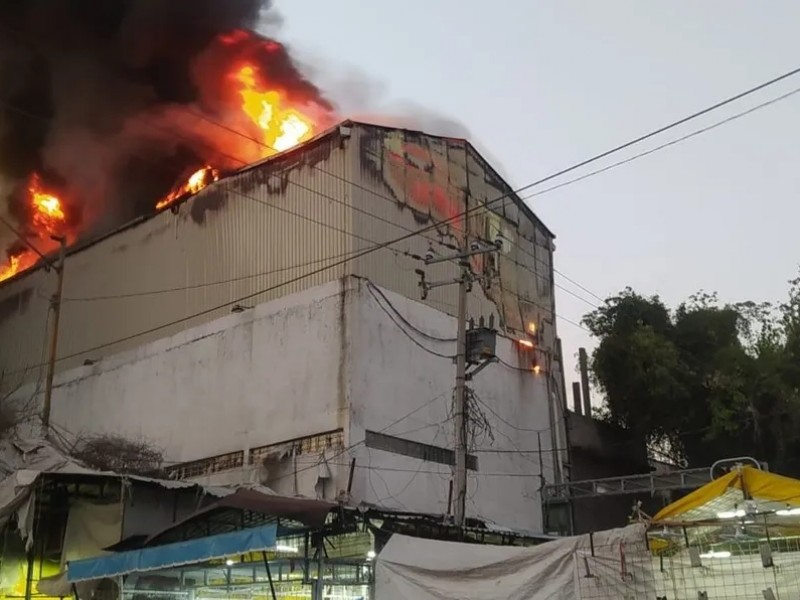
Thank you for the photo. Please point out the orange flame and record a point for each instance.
(48, 218)
(10, 269)
(48, 214)
(282, 127)
(196, 182)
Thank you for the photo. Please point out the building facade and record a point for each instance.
(340, 392)
(285, 225)
(277, 234)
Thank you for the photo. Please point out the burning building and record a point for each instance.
(296, 220)
(154, 101)
(221, 182)
(278, 234)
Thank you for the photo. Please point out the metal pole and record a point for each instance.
(577, 407)
(51, 363)
(29, 575)
(541, 458)
(583, 362)
(460, 404)
(269, 576)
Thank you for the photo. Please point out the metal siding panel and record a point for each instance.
(404, 180)
(250, 232)
(413, 180)
(285, 218)
(24, 307)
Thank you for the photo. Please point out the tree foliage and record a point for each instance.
(706, 380)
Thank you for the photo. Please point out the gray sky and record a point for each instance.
(545, 85)
(541, 86)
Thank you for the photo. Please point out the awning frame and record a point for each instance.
(173, 555)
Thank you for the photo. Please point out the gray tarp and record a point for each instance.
(24, 461)
(433, 570)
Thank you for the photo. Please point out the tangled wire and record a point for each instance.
(111, 452)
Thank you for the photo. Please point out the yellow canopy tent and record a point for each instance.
(742, 491)
(736, 537)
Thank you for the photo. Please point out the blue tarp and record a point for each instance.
(171, 555)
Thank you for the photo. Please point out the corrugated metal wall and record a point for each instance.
(410, 181)
(248, 233)
(283, 219)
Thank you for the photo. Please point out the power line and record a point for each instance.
(408, 335)
(364, 188)
(667, 144)
(236, 159)
(656, 149)
(442, 472)
(572, 281)
(512, 367)
(547, 277)
(302, 265)
(678, 140)
(357, 444)
(502, 420)
(242, 194)
(594, 158)
(667, 127)
(25, 241)
(374, 288)
(545, 307)
(499, 451)
(184, 288)
(564, 171)
(463, 214)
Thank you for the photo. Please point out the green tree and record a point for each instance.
(706, 381)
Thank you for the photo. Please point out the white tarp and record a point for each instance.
(423, 569)
(91, 527)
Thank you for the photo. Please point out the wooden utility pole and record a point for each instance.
(55, 304)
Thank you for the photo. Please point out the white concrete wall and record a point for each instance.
(332, 357)
(399, 389)
(265, 375)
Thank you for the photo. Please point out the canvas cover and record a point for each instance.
(171, 555)
(422, 569)
(725, 493)
(24, 461)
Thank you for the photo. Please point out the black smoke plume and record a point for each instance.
(104, 99)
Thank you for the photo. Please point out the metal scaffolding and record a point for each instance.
(650, 483)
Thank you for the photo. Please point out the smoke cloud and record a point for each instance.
(112, 101)
(361, 97)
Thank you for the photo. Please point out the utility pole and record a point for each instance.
(55, 304)
(461, 418)
(460, 399)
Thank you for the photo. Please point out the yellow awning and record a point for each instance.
(759, 485)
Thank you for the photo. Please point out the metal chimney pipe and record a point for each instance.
(583, 361)
(576, 397)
